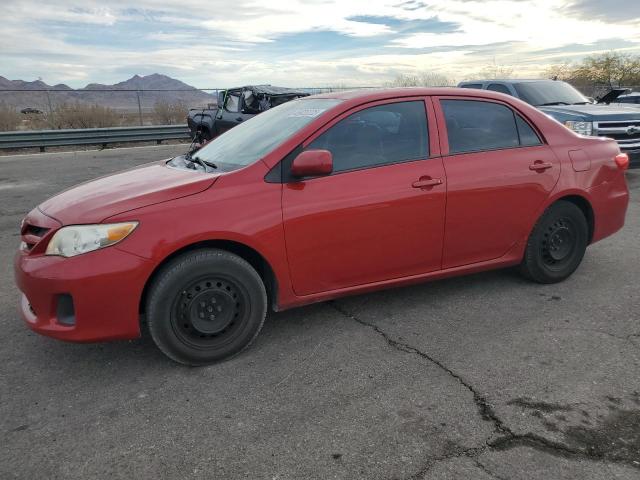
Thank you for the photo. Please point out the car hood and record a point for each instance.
(96, 200)
(592, 113)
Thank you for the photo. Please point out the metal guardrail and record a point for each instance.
(92, 136)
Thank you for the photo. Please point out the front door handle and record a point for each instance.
(539, 166)
(426, 182)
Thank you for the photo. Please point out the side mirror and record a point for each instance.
(221, 98)
(312, 163)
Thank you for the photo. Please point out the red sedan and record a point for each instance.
(318, 198)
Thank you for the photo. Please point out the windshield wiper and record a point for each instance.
(582, 103)
(196, 159)
(553, 103)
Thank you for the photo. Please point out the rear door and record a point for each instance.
(380, 214)
(499, 172)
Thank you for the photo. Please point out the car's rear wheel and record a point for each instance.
(205, 306)
(557, 244)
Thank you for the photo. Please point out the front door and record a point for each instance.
(380, 214)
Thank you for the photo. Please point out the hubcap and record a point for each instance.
(208, 311)
(211, 311)
(558, 243)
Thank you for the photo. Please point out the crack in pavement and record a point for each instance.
(484, 408)
(471, 452)
(486, 470)
(626, 338)
(507, 438)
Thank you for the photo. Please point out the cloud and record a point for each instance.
(625, 11)
(301, 42)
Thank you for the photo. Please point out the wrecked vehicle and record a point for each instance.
(234, 107)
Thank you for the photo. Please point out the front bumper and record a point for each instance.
(104, 286)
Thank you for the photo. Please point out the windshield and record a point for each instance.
(549, 93)
(253, 139)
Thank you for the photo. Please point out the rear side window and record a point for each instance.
(498, 87)
(474, 126)
(380, 135)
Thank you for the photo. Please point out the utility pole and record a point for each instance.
(139, 108)
(50, 109)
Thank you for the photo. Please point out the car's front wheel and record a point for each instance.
(557, 244)
(205, 306)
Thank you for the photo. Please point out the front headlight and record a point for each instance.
(77, 239)
(582, 128)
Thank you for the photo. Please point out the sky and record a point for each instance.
(211, 43)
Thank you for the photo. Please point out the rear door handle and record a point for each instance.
(540, 166)
(427, 182)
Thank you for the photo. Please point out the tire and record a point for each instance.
(556, 245)
(205, 306)
(205, 135)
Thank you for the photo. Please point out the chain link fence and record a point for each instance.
(39, 109)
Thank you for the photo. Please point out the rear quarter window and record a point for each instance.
(528, 137)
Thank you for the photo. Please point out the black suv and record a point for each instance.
(236, 105)
(561, 101)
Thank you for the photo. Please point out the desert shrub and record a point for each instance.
(9, 118)
(83, 116)
(167, 113)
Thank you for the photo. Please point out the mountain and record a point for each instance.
(118, 96)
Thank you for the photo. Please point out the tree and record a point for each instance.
(609, 69)
(422, 79)
(495, 70)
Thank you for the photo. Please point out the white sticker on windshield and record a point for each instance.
(306, 112)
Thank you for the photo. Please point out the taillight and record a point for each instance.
(622, 160)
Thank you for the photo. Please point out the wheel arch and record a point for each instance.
(247, 253)
(583, 204)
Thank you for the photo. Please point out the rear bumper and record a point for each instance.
(104, 286)
(609, 201)
(634, 158)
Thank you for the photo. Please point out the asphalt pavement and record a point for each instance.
(480, 377)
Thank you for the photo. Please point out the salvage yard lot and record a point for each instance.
(485, 376)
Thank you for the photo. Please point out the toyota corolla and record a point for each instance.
(315, 199)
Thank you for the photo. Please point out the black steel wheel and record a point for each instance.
(557, 244)
(205, 306)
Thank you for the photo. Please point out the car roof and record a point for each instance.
(510, 80)
(373, 94)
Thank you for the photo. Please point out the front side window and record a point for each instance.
(380, 135)
(233, 103)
